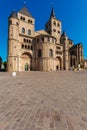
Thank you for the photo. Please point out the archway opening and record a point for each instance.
(26, 62)
(58, 63)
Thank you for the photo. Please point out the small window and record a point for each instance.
(25, 46)
(59, 32)
(22, 46)
(31, 48)
(29, 32)
(42, 39)
(37, 40)
(21, 17)
(28, 47)
(24, 40)
(39, 53)
(58, 25)
(58, 47)
(51, 53)
(54, 23)
(10, 22)
(23, 30)
(28, 20)
(31, 21)
(24, 18)
(54, 30)
(48, 39)
(29, 41)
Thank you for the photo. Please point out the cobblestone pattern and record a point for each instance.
(43, 101)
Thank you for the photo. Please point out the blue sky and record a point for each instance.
(72, 13)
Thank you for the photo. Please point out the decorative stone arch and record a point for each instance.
(58, 63)
(26, 61)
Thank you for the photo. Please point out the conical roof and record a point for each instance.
(64, 34)
(25, 11)
(52, 13)
(13, 15)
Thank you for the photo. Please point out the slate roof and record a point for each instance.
(25, 11)
(52, 13)
(13, 15)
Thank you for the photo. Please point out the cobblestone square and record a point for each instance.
(43, 101)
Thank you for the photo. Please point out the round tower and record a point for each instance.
(13, 29)
(44, 48)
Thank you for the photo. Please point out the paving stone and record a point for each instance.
(43, 101)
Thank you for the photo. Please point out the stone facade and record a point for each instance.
(44, 50)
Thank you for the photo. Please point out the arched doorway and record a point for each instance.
(25, 62)
(58, 63)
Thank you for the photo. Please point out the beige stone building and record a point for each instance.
(43, 50)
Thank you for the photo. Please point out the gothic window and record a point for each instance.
(29, 32)
(39, 53)
(23, 30)
(51, 53)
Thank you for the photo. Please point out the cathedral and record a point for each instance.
(44, 50)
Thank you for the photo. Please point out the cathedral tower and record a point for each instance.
(53, 26)
(20, 39)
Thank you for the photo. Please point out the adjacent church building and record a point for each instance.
(43, 50)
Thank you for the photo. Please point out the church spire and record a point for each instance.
(52, 13)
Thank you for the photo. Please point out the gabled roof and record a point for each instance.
(13, 15)
(25, 11)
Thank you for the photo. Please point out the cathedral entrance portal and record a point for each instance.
(26, 59)
(58, 63)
